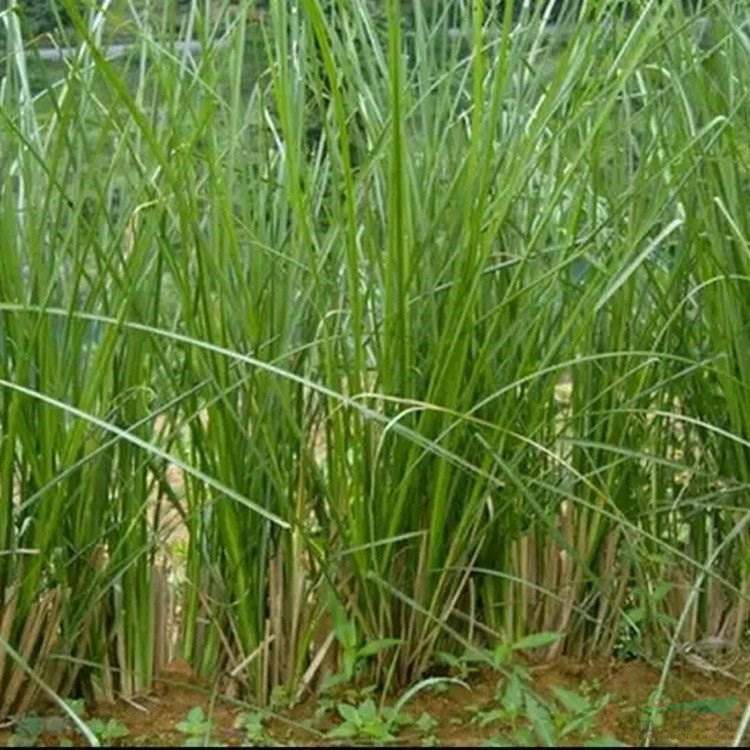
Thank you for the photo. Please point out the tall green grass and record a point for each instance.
(427, 337)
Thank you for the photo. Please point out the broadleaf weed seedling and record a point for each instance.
(31, 728)
(254, 727)
(198, 729)
(366, 721)
(109, 731)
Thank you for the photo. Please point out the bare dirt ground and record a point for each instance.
(629, 684)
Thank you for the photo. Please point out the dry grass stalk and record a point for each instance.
(415, 618)
(676, 600)
(251, 657)
(315, 664)
(427, 643)
(276, 620)
(606, 578)
(10, 601)
(161, 597)
(527, 569)
(717, 608)
(615, 607)
(50, 640)
(739, 621)
(567, 577)
(36, 641)
(548, 607)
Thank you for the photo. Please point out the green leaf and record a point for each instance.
(501, 654)
(368, 711)
(377, 731)
(723, 704)
(475, 654)
(33, 724)
(605, 740)
(195, 723)
(425, 723)
(442, 657)
(331, 681)
(348, 635)
(373, 647)
(343, 627)
(21, 740)
(348, 713)
(573, 702)
(512, 695)
(485, 718)
(578, 724)
(350, 661)
(540, 721)
(636, 614)
(193, 742)
(537, 640)
(55, 724)
(660, 591)
(115, 730)
(523, 737)
(196, 715)
(343, 732)
(28, 730)
(96, 726)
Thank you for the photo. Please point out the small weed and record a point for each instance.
(534, 721)
(198, 728)
(31, 728)
(653, 713)
(485, 718)
(108, 732)
(365, 721)
(355, 653)
(254, 726)
(529, 719)
(425, 723)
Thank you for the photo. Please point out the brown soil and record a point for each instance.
(151, 719)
